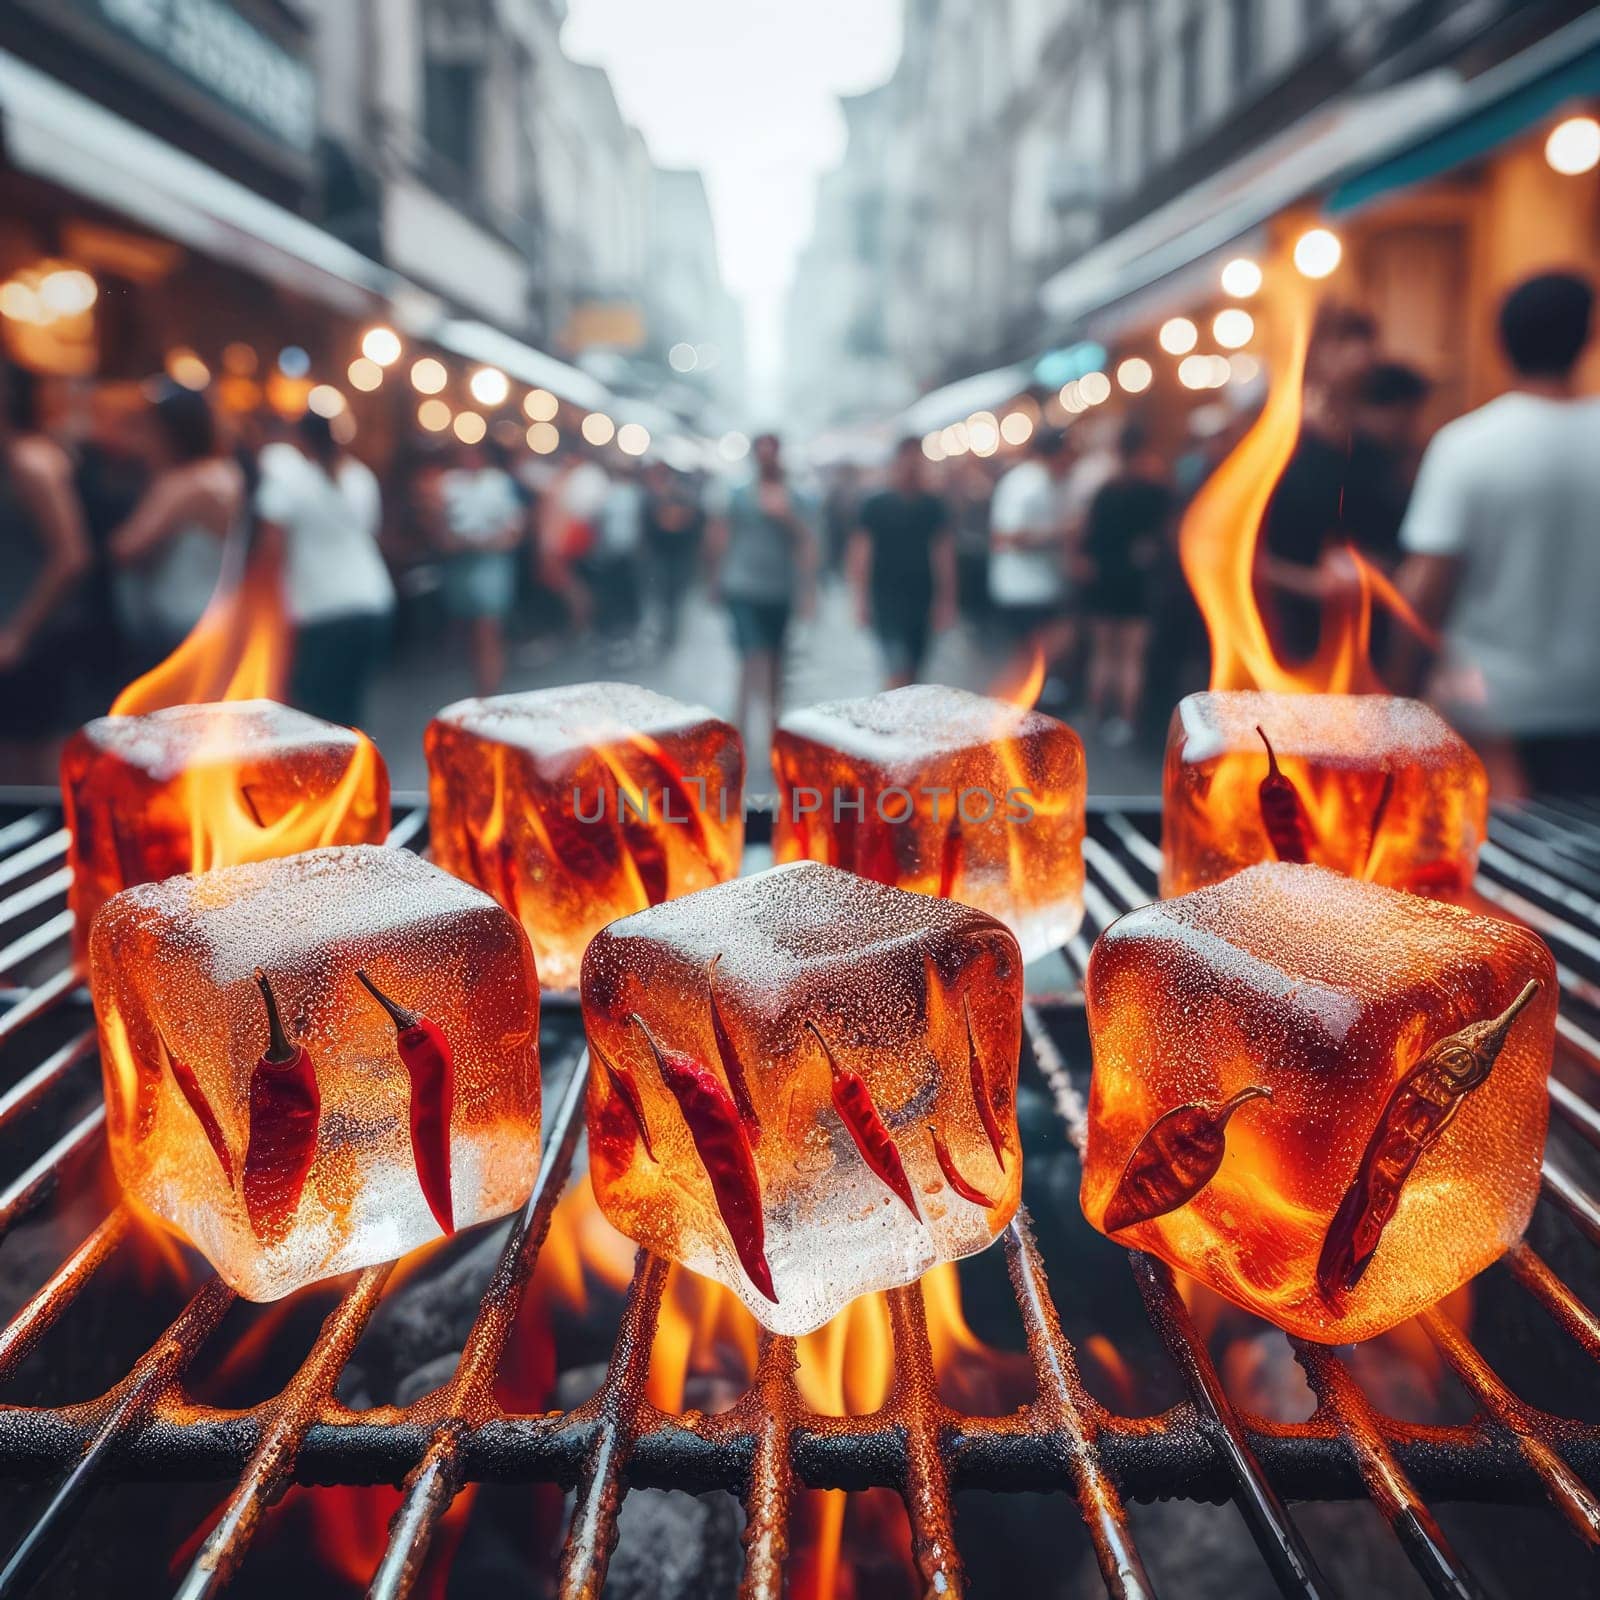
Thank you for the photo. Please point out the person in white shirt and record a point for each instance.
(1502, 542)
(485, 520)
(323, 507)
(1028, 550)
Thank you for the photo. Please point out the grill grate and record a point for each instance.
(1542, 864)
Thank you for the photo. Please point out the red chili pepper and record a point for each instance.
(724, 1152)
(189, 1086)
(980, 1092)
(853, 1101)
(950, 855)
(285, 1106)
(1284, 812)
(431, 1067)
(731, 1064)
(952, 1176)
(627, 1091)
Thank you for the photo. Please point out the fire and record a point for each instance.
(238, 650)
(1022, 687)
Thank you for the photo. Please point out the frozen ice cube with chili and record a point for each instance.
(577, 805)
(317, 1063)
(1323, 1098)
(803, 1085)
(1374, 786)
(191, 787)
(942, 792)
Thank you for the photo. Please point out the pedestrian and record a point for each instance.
(44, 555)
(171, 547)
(1502, 552)
(1384, 449)
(483, 520)
(569, 527)
(762, 553)
(319, 510)
(968, 488)
(675, 524)
(1305, 515)
(614, 564)
(1029, 554)
(901, 565)
(1125, 534)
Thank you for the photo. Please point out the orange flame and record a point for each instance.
(1022, 687)
(1222, 527)
(238, 650)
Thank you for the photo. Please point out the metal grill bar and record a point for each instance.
(1545, 857)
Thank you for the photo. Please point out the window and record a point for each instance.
(450, 92)
(1244, 29)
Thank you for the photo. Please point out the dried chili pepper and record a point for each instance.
(627, 1091)
(1177, 1157)
(980, 1092)
(1283, 811)
(1419, 1109)
(285, 1106)
(724, 1152)
(1379, 812)
(952, 1175)
(189, 1086)
(853, 1101)
(731, 1064)
(431, 1067)
(950, 857)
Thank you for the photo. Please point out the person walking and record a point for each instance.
(1029, 555)
(901, 564)
(675, 524)
(484, 519)
(319, 510)
(762, 553)
(44, 555)
(170, 549)
(1126, 528)
(1501, 545)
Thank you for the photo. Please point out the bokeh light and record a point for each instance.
(733, 445)
(489, 386)
(1016, 427)
(186, 369)
(434, 415)
(428, 376)
(1241, 278)
(469, 427)
(633, 438)
(325, 400)
(1233, 328)
(683, 357)
(1134, 375)
(598, 428)
(1178, 336)
(1317, 252)
(365, 374)
(539, 405)
(933, 446)
(381, 345)
(1094, 388)
(68, 292)
(543, 438)
(1573, 147)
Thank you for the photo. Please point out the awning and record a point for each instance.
(1229, 205)
(1494, 107)
(477, 341)
(957, 401)
(54, 133)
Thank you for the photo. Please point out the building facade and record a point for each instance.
(1015, 139)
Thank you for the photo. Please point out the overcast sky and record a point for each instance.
(745, 90)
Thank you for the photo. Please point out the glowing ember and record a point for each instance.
(1324, 1099)
(268, 1106)
(944, 793)
(578, 805)
(804, 1085)
(1370, 785)
(189, 788)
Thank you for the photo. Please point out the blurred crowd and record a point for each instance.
(115, 535)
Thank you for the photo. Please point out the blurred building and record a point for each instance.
(1057, 175)
(243, 187)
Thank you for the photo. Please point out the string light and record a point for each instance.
(434, 415)
(1233, 328)
(1178, 336)
(325, 400)
(683, 357)
(633, 438)
(1572, 149)
(1317, 252)
(540, 405)
(933, 446)
(489, 386)
(598, 428)
(1241, 278)
(1094, 388)
(1134, 375)
(365, 374)
(543, 438)
(381, 345)
(469, 427)
(68, 291)
(428, 376)
(186, 369)
(1016, 427)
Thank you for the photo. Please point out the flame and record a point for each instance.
(238, 650)
(1022, 687)
(1217, 546)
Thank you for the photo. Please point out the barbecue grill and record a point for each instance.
(1541, 864)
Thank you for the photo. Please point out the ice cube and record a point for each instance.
(574, 806)
(1333, 1000)
(361, 1150)
(1374, 786)
(945, 793)
(244, 779)
(803, 1085)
